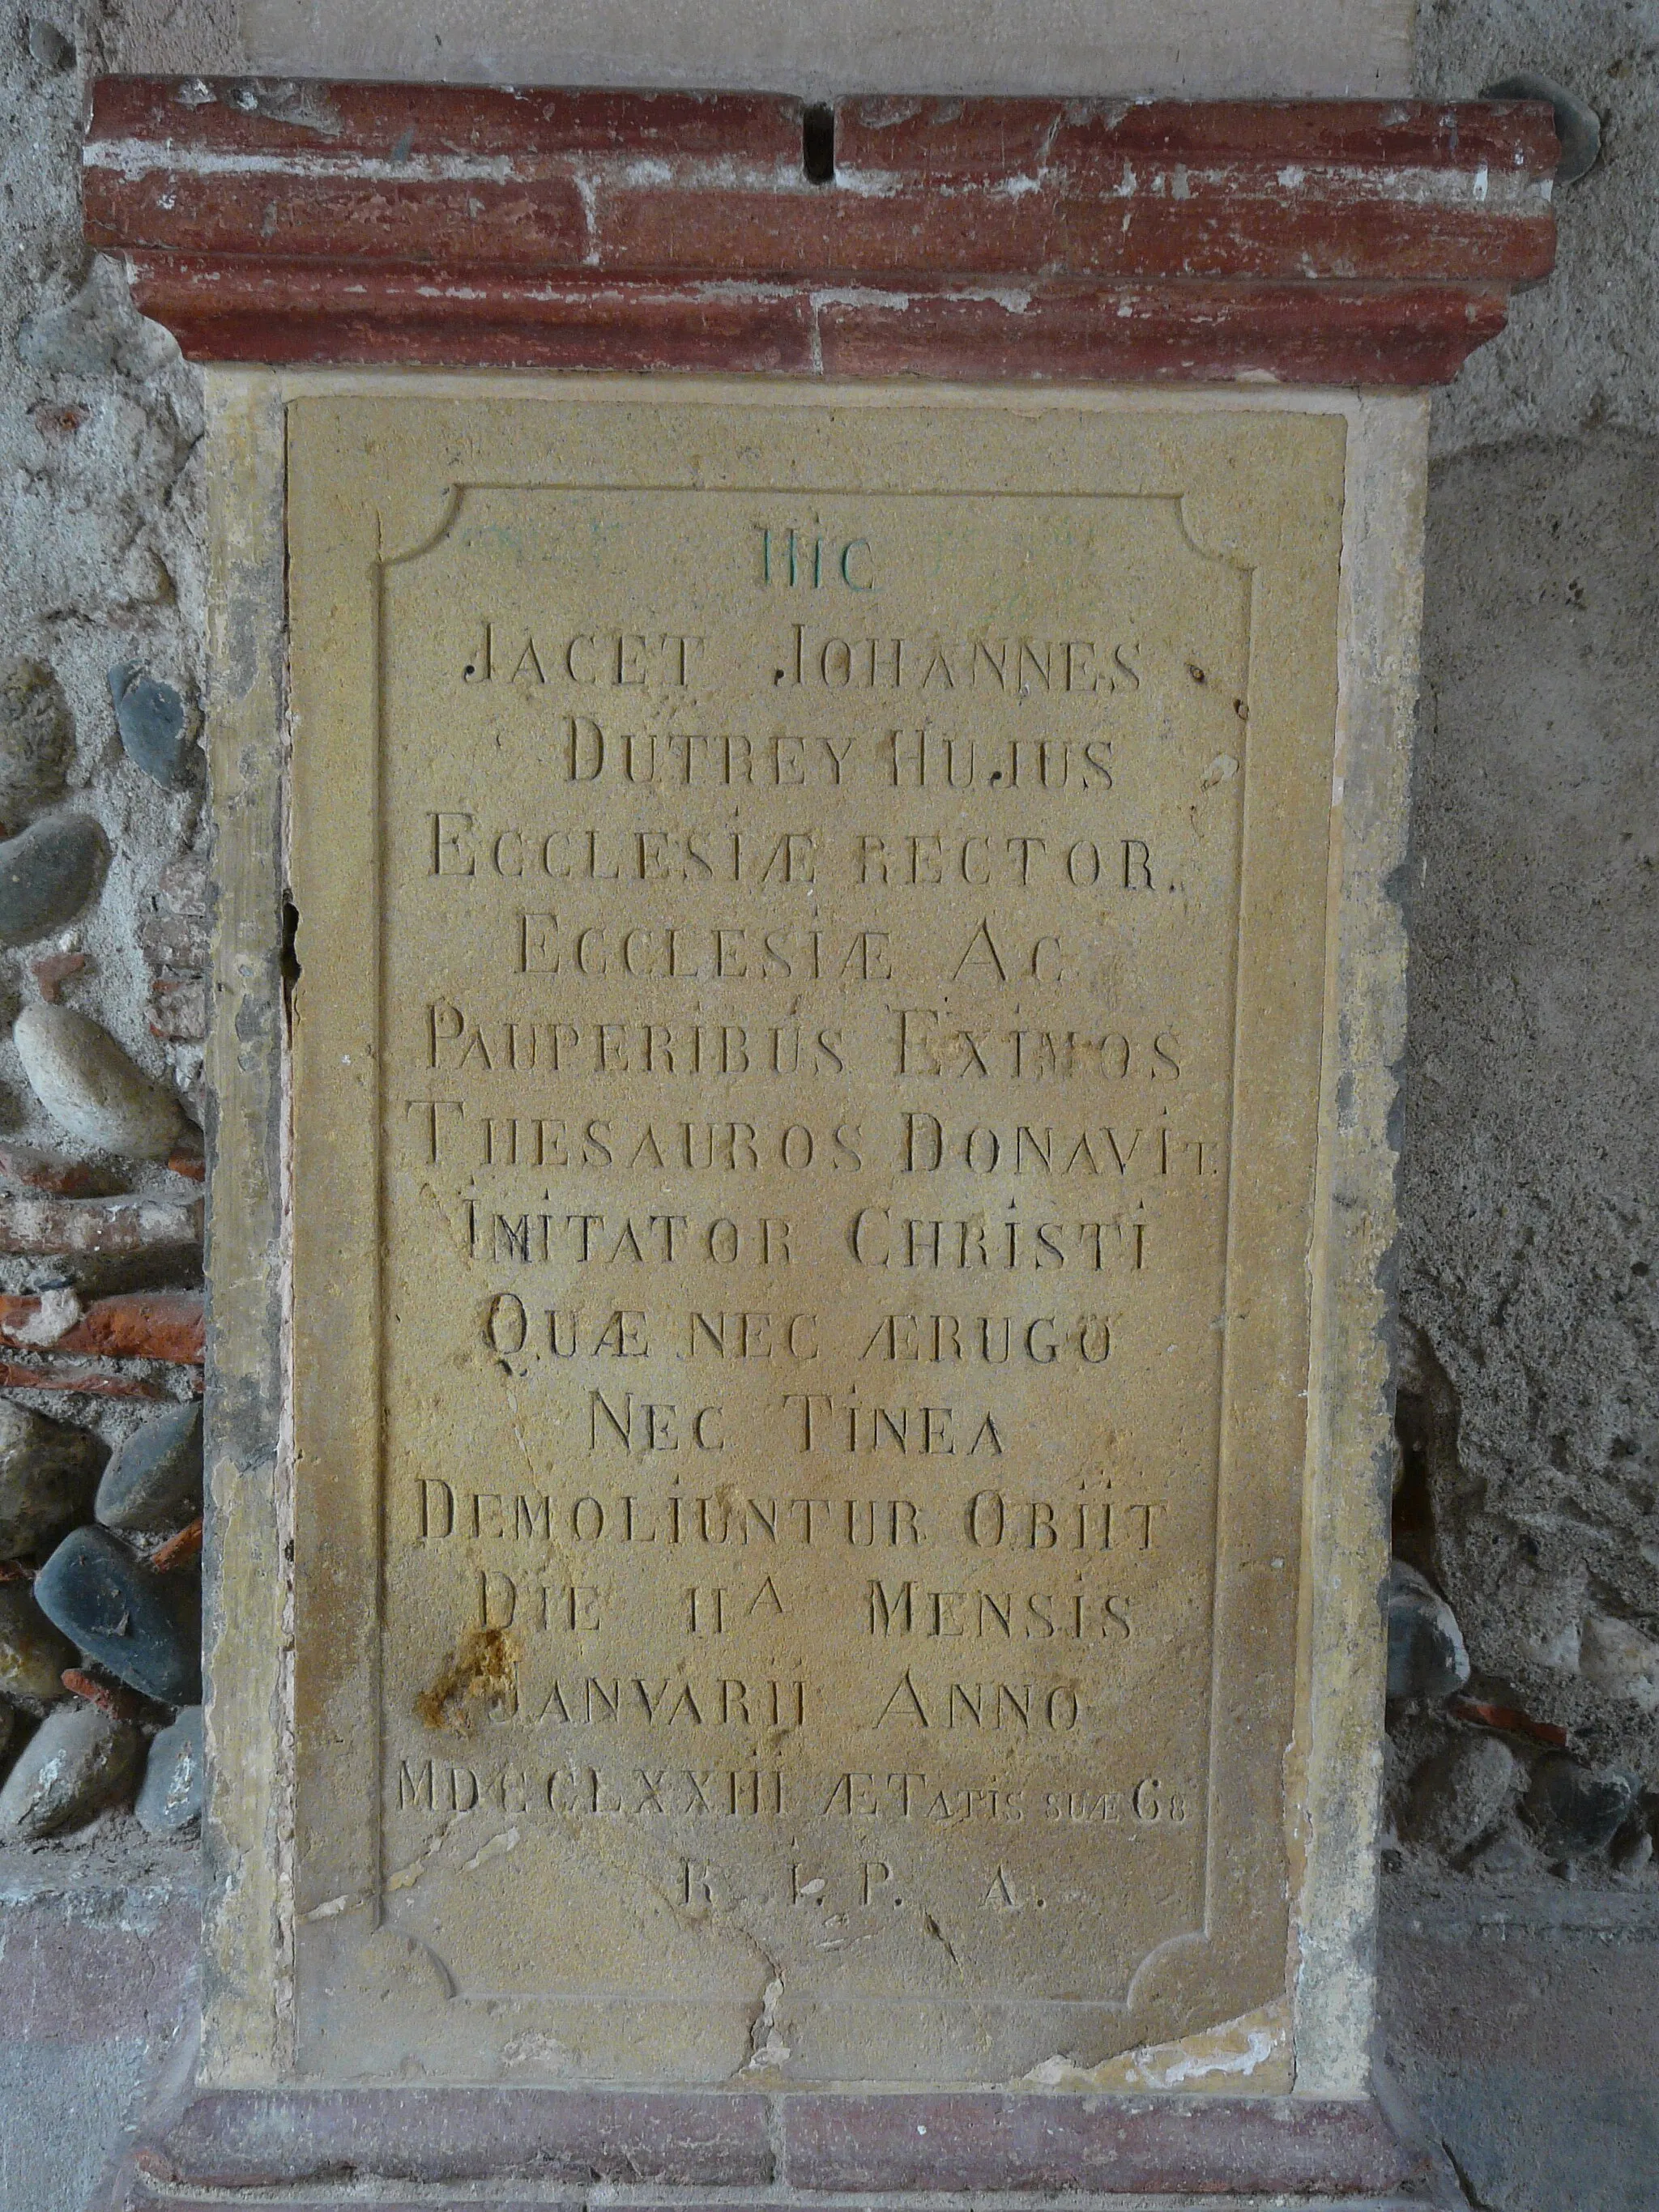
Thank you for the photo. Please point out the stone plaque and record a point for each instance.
(813, 969)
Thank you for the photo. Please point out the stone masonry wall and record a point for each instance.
(1528, 1413)
(1529, 1506)
(103, 890)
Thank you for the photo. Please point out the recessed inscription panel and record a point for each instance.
(847, 925)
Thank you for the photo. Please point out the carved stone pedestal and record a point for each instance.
(805, 996)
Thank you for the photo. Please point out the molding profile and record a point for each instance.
(1367, 243)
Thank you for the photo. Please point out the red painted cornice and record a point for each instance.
(1349, 242)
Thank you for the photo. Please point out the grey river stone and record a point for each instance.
(152, 1484)
(171, 1796)
(33, 1653)
(78, 1761)
(91, 1088)
(48, 874)
(48, 1475)
(142, 1627)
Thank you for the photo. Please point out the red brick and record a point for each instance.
(48, 1171)
(397, 122)
(1312, 241)
(131, 1325)
(252, 2138)
(946, 137)
(1137, 333)
(109, 1227)
(291, 314)
(970, 2140)
(849, 2142)
(178, 1008)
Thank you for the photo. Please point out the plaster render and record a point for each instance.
(1191, 49)
(1530, 1157)
(1582, 350)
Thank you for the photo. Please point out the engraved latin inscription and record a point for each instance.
(813, 934)
(808, 1111)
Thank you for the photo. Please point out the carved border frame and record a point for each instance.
(247, 1943)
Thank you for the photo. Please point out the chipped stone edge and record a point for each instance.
(1351, 1384)
(1254, 2048)
(247, 1820)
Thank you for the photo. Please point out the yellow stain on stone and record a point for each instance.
(480, 1673)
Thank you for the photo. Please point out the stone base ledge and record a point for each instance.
(366, 2197)
(742, 2150)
